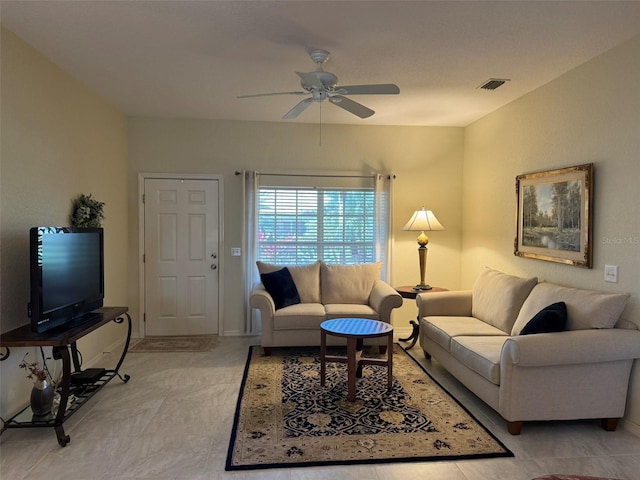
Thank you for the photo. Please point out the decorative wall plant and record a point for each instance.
(87, 212)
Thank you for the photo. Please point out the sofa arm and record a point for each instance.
(444, 304)
(384, 299)
(261, 300)
(571, 347)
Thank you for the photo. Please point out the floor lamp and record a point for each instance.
(422, 221)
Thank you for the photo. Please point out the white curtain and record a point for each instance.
(384, 215)
(250, 225)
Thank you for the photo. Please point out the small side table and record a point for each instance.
(355, 330)
(411, 292)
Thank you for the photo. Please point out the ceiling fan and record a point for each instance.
(323, 85)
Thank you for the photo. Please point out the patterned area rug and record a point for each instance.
(174, 344)
(285, 419)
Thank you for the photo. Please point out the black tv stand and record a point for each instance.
(63, 343)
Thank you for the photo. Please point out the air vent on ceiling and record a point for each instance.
(493, 83)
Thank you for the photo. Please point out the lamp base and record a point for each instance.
(422, 287)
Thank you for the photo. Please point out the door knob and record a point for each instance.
(214, 266)
(213, 255)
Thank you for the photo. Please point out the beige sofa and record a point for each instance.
(325, 291)
(581, 372)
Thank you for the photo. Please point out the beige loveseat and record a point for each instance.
(325, 291)
(581, 372)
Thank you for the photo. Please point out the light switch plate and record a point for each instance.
(236, 252)
(611, 273)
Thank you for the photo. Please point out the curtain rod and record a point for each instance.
(237, 172)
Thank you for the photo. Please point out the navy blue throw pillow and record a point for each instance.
(552, 318)
(281, 287)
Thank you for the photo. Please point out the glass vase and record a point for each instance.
(42, 397)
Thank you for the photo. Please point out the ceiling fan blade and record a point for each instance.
(298, 109)
(272, 94)
(351, 106)
(310, 79)
(381, 89)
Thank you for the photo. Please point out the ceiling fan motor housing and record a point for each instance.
(328, 80)
(319, 95)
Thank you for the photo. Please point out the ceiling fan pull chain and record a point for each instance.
(320, 142)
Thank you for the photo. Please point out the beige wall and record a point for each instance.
(426, 161)
(58, 140)
(591, 114)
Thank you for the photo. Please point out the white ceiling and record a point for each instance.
(192, 58)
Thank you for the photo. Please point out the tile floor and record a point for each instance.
(173, 420)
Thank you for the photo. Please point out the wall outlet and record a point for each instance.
(611, 273)
(236, 252)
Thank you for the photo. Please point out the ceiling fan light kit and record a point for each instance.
(322, 85)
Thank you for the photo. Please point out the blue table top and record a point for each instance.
(357, 327)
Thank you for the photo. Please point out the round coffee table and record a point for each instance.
(355, 330)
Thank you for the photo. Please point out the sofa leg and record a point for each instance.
(515, 428)
(427, 355)
(382, 349)
(267, 351)
(609, 424)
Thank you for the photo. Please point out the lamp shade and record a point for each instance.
(423, 221)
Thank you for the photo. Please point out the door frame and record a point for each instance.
(141, 273)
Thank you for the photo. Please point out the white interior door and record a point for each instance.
(181, 253)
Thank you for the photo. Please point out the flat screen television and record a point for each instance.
(67, 275)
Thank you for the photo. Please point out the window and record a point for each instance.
(292, 219)
(301, 225)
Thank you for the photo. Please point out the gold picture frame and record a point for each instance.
(554, 215)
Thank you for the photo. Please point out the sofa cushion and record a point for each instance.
(348, 283)
(281, 287)
(552, 318)
(306, 278)
(480, 354)
(339, 310)
(442, 329)
(585, 308)
(497, 298)
(303, 316)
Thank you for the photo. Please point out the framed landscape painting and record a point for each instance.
(554, 215)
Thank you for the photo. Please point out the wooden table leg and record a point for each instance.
(323, 356)
(390, 360)
(359, 347)
(415, 334)
(351, 369)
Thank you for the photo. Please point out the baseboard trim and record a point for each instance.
(116, 346)
(402, 331)
(631, 427)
